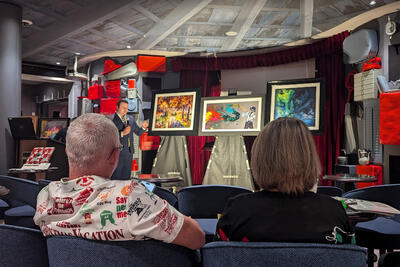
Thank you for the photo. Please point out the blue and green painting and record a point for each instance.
(297, 103)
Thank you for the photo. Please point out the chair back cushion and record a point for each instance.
(21, 216)
(248, 254)
(71, 251)
(167, 195)
(388, 194)
(43, 183)
(21, 246)
(21, 190)
(206, 201)
(332, 191)
(390, 259)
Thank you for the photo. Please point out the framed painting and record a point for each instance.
(232, 115)
(49, 127)
(174, 112)
(303, 99)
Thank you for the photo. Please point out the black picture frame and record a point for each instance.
(313, 86)
(175, 131)
(240, 123)
(43, 122)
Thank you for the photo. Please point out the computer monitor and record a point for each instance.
(22, 128)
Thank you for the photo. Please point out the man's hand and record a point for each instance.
(145, 124)
(127, 130)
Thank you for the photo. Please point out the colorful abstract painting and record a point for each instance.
(50, 127)
(174, 112)
(299, 99)
(297, 103)
(232, 115)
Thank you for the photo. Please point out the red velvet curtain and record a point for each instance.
(318, 49)
(328, 54)
(331, 67)
(209, 82)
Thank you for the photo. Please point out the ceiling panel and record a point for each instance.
(278, 22)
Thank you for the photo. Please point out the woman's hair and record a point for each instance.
(284, 157)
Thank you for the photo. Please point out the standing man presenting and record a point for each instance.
(126, 125)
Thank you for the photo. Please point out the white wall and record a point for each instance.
(255, 79)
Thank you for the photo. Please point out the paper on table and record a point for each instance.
(364, 206)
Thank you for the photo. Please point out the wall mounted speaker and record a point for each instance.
(360, 46)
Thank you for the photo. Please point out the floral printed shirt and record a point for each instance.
(96, 208)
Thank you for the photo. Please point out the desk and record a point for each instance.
(349, 180)
(31, 173)
(159, 179)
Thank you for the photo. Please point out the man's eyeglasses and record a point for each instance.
(120, 147)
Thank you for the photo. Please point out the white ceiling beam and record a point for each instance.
(275, 26)
(279, 9)
(208, 23)
(126, 26)
(306, 18)
(80, 20)
(236, 7)
(198, 36)
(268, 39)
(253, 26)
(264, 9)
(194, 47)
(146, 13)
(186, 10)
(87, 44)
(226, 37)
(247, 14)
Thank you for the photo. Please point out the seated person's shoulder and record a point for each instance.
(327, 200)
(242, 198)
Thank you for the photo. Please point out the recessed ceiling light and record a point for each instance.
(231, 33)
(372, 2)
(58, 63)
(26, 22)
(128, 46)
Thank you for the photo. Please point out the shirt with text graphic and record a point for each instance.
(95, 208)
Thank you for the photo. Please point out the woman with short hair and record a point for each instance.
(286, 167)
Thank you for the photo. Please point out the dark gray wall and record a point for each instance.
(394, 60)
(39, 93)
(10, 78)
(28, 99)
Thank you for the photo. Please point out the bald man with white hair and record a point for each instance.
(89, 205)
